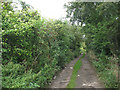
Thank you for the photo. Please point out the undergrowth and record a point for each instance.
(107, 71)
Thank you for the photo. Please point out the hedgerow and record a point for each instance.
(33, 48)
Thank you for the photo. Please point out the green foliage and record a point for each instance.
(34, 48)
(107, 69)
(102, 33)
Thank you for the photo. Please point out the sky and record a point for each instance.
(53, 9)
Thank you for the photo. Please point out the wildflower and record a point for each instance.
(14, 26)
(10, 12)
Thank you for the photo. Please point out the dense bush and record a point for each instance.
(34, 48)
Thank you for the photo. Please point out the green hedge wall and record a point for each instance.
(34, 48)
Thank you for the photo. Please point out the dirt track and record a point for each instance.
(87, 77)
(63, 77)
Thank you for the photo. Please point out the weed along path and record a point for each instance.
(78, 74)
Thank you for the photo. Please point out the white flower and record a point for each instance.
(14, 26)
(10, 12)
(116, 18)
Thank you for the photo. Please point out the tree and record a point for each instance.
(24, 5)
(101, 29)
(96, 15)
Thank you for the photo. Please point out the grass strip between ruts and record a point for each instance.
(76, 67)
